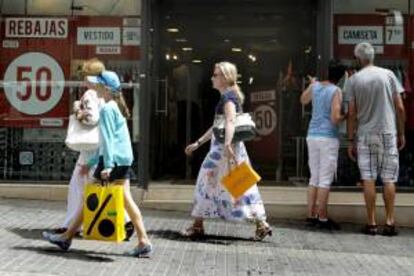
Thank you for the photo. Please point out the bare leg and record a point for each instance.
(370, 197)
(198, 222)
(312, 193)
(389, 199)
(323, 196)
(74, 225)
(135, 215)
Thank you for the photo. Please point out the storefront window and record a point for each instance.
(44, 44)
(273, 44)
(388, 25)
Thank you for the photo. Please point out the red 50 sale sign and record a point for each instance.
(36, 83)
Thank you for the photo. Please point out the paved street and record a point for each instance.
(228, 250)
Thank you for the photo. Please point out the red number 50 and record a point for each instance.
(43, 93)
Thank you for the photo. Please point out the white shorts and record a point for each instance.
(323, 160)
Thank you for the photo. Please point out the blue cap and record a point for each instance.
(107, 78)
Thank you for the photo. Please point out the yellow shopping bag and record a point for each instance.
(240, 179)
(103, 212)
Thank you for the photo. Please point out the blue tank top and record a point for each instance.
(321, 124)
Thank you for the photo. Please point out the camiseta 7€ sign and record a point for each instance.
(34, 83)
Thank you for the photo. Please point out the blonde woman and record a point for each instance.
(87, 111)
(113, 159)
(210, 198)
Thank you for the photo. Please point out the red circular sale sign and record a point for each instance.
(35, 83)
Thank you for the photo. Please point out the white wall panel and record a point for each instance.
(369, 6)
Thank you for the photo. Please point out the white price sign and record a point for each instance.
(394, 35)
(265, 119)
(37, 83)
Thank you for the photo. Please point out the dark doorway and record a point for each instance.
(266, 39)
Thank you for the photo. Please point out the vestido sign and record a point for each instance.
(99, 36)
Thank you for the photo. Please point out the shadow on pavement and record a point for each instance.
(32, 234)
(213, 239)
(75, 254)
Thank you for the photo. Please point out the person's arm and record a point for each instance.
(306, 96)
(351, 128)
(205, 137)
(336, 116)
(399, 109)
(230, 120)
(107, 126)
(400, 114)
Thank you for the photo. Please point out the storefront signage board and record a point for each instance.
(263, 106)
(394, 35)
(98, 36)
(131, 36)
(356, 34)
(36, 27)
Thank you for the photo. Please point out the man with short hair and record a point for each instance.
(376, 127)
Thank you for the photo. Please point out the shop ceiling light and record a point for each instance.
(187, 49)
(236, 49)
(181, 40)
(172, 30)
(197, 61)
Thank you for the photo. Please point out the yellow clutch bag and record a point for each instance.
(240, 179)
(103, 212)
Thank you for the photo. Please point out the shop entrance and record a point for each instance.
(273, 45)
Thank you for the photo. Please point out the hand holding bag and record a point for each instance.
(81, 137)
(244, 128)
(103, 212)
(239, 179)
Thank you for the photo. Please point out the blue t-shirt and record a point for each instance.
(321, 124)
(228, 96)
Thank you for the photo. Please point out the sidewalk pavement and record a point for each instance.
(228, 250)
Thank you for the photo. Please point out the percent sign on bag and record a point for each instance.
(104, 213)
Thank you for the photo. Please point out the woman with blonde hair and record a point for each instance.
(211, 200)
(87, 112)
(113, 159)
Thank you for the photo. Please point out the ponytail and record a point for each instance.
(120, 101)
(239, 93)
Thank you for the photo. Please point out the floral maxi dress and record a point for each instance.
(211, 200)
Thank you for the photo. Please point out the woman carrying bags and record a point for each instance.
(114, 159)
(211, 200)
(87, 112)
